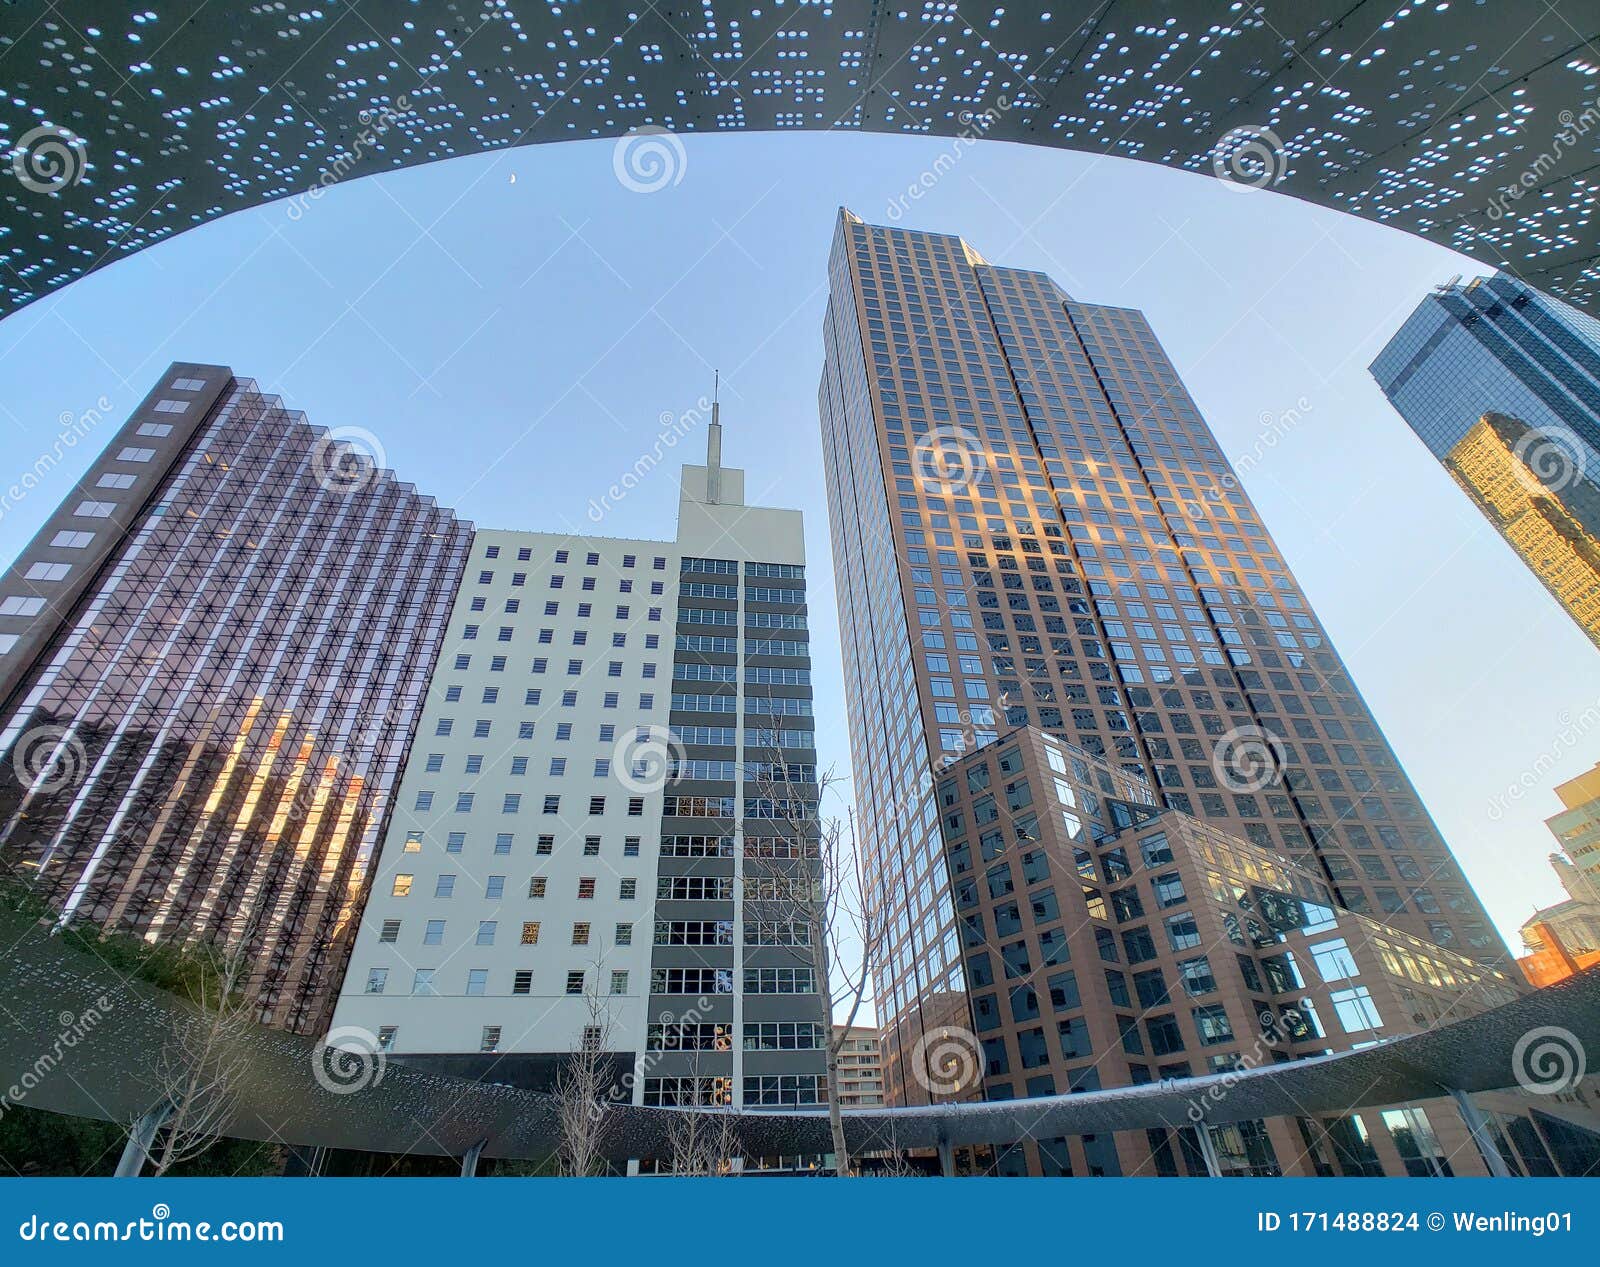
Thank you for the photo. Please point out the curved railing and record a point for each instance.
(79, 1038)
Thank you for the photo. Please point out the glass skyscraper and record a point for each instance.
(1033, 526)
(1502, 383)
(214, 653)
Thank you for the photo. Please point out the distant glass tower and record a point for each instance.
(1033, 526)
(1502, 383)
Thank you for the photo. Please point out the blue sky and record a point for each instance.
(513, 326)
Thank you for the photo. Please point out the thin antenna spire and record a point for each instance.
(714, 443)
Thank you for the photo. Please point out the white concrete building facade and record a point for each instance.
(566, 858)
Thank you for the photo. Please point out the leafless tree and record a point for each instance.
(204, 1057)
(701, 1142)
(581, 1087)
(808, 890)
(893, 1162)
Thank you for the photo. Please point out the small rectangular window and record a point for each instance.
(71, 540)
(135, 454)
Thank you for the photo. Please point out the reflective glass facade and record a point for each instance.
(207, 746)
(1032, 525)
(1502, 383)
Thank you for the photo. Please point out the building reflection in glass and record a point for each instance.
(235, 693)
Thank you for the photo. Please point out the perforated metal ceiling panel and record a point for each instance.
(1475, 123)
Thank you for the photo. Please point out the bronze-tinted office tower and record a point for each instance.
(212, 656)
(1033, 525)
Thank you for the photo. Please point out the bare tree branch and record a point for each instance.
(702, 1144)
(204, 1057)
(809, 891)
(581, 1085)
